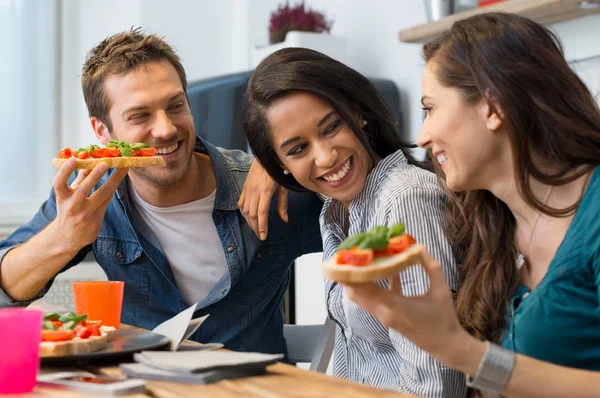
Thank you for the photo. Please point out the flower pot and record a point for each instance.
(333, 46)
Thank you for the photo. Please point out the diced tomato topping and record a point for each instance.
(386, 252)
(82, 155)
(354, 256)
(400, 243)
(98, 153)
(113, 152)
(147, 152)
(93, 326)
(89, 322)
(134, 152)
(95, 329)
(58, 324)
(105, 153)
(65, 153)
(82, 332)
(57, 335)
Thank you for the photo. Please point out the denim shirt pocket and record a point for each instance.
(118, 250)
(266, 272)
(122, 260)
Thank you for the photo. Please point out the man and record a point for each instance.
(173, 234)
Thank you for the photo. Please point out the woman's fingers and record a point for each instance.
(434, 270)
(395, 284)
(251, 208)
(263, 214)
(242, 201)
(282, 203)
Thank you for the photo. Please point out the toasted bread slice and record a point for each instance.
(72, 347)
(108, 330)
(136, 161)
(382, 267)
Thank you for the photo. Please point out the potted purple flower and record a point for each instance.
(296, 18)
(300, 26)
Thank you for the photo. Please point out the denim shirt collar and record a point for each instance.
(228, 193)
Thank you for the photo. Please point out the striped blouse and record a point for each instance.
(365, 350)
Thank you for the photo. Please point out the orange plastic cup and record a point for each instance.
(100, 300)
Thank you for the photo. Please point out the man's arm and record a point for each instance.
(26, 268)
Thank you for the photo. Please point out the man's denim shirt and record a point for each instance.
(245, 307)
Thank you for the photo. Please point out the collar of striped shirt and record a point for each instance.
(333, 213)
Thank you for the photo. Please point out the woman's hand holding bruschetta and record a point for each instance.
(429, 320)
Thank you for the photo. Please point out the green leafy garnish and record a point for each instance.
(374, 241)
(70, 325)
(396, 230)
(353, 240)
(69, 316)
(124, 148)
(377, 238)
(51, 316)
(112, 144)
(47, 325)
(138, 145)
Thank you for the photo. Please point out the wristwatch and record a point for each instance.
(494, 369)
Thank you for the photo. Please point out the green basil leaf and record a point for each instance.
(139, 145)
(375, 242)
(51, 316)
(396, 230)
(70, 325)
(66, 317)
(47, 325)
(352, 241)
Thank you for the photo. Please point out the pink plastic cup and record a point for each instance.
(20, 334)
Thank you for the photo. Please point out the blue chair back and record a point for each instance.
(216, 104)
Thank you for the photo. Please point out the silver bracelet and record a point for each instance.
(494, 369)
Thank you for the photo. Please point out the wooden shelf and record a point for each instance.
(542, 11)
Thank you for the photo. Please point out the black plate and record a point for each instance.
(123, 344)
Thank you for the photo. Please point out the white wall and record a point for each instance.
(208, 36)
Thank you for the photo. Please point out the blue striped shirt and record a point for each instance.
(365, 350)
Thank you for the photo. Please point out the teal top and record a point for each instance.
(559, 321)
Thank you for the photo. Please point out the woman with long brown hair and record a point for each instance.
(515, 136)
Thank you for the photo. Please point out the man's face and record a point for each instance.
(149, 105)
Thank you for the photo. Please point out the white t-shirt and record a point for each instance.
(189, 238)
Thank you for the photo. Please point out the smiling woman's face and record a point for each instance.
(317, 146)
(463, 137)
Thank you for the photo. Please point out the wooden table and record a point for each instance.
(281, 380)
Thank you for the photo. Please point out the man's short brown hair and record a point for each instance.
(122, 53)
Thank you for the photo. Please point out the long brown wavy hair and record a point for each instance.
(518, 67)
